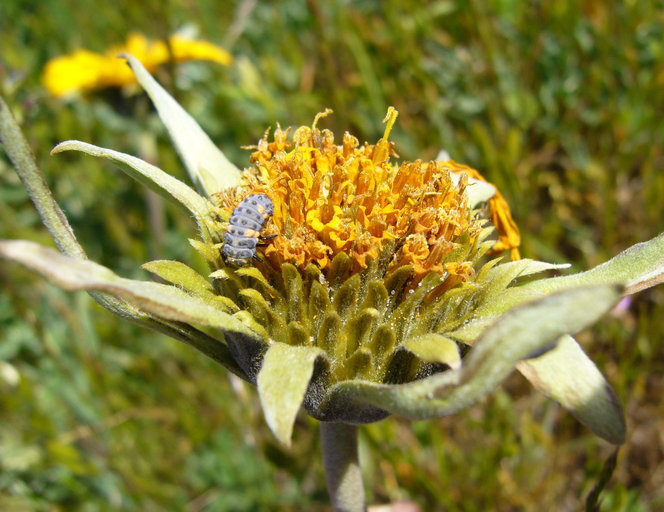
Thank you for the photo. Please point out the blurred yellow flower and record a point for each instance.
(85, 70)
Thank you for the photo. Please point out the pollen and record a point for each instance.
(354, 198)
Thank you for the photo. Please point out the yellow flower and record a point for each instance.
(374, 296)
(85, 70)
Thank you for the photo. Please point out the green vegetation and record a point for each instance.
(559, 104)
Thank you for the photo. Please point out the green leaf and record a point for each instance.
(181, 275)
(19, 152)
(568, 376)
(151, 176)
(435, 348)
(499, 277)
(163, 301)
(497, 298)
(520, 268)
(515, 336)
(208, 168)
(637, 268)
(282, 383)
(54, 219)
(212, 347)
(256, 274)
(77, 274)
(209, 254)
(486, 314)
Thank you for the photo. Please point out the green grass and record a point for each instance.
(560, 105)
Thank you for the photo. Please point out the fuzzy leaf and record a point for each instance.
(499, 298)
(208, 253)
(256, 274)
(20, 154)
(535, 267)
(181, 275)
(151, 176)
(500, 276)
(435, 348)
(282, 382)
(523, 267)
(568, 376)
(208, 168)
(645, 281)
(485, 315)
(638, 267)
(161, 300)
(515, 336)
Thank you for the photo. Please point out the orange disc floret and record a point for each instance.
(350, 198)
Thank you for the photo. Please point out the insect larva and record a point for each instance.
(246, 222)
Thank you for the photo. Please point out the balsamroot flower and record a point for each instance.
(84, 70)
(377, 287)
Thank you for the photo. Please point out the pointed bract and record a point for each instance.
(181, 275)
(435, 348)
(208, 167)
(637, 268)
(518, 334)
(151, 176)
(568, 376)
(282, 383)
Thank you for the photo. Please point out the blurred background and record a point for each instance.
(559, 103)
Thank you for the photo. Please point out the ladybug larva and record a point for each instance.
(247, 220)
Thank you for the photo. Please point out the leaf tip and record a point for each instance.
(128, 57)
(59, 148)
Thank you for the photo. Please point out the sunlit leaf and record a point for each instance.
(176, 272)
(638, 267)
(435, 348)
(568, 376)
(208, 168)
(164, 301)
(151, 176)
(282, 383)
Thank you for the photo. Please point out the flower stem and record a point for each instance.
(342, 467)
(20, 154)
(54, 219)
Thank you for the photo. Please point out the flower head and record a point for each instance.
(85, 70)
(353, 199)
(376, 290)
(361, 253)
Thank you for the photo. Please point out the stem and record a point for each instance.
(54, 219)
(20, 154)
(342, 467)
